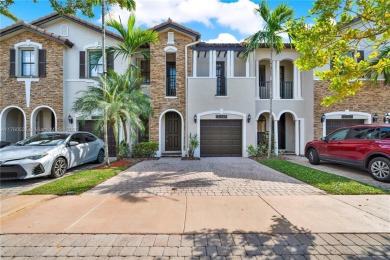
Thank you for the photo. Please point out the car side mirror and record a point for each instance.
(325, 139)
(73, 143)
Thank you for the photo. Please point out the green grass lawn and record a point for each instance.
(331, 183)
(78, 182)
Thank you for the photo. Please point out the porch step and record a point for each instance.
(171, 155)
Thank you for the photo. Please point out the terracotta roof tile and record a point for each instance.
(169, 22)
(35, 29)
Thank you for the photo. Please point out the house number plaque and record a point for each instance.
(220, 116)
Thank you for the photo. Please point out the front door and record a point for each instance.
(172, 132)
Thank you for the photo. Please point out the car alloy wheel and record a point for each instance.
(60, 167)
(380, 169)
(100, 158)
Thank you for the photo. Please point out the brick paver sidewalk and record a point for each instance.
(198, 246)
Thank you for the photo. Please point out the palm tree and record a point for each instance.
(274, 24)
(134, 38)
(120, 102)
(383, 53)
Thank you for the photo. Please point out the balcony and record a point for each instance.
(264, 88)
(286, 90)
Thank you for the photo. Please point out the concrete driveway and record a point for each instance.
(206, 177)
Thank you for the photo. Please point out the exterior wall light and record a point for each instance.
(386, 119)
(249, 118)
(195, 118)
(375, 118)
(323, 118)
(70, 119)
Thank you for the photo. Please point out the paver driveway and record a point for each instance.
(207, 177)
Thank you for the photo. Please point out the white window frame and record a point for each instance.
(171, 38)
(22, 46)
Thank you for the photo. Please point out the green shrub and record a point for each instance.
(193, 144)
(124, 150)
(253, 151)
(145, 149)
(262, 148)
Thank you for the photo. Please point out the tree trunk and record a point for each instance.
(124, 129)
(107, 159)
(117, 134)
(270, 105)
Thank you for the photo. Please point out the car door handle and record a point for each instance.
(338, 142)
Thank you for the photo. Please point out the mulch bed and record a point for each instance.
(126, 162)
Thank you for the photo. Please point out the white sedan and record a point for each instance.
(50, 153)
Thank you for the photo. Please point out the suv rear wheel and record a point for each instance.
(313, 157)
(379, 168)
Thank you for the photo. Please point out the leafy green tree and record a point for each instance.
(269, 35)
(121, 102)
(134, 38)
(341, 28)
(384, 53)
(69, 6)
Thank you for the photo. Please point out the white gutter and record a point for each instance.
(186, 87)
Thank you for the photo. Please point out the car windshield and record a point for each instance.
(45, 139)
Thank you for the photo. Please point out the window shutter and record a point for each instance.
(110, 61)
(82, 64)
(12, 65)
(361, 56)
(42, 63)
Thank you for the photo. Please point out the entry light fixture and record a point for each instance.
(386, 119)
(375, 118)
(323, 118)
(195, 118)
(249, 118)
(70, 119)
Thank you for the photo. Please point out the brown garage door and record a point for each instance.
(221, 138)
(333, 124)
(88, 125)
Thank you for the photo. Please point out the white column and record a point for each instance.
(277, 79)
(194, 63)
(257, 79)
(276, 136)
(274, 80)
(214, 64)
(295, 81)
(232, 65)
(299, 86)
(297, 137)
(210, 63)
(228, 61)
(247, 67)
(302, 136)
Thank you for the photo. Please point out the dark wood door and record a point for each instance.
(220, 73)
(172, 132)
(221, 138)
(282, 132)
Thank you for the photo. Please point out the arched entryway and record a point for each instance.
(171, 132)
(43, 119)
(13, 124)
(286, 133)
(263, 126)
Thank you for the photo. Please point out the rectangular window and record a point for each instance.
(28, 63)
(95, 63)
(171, 74)
(221, 80)
(145, 71)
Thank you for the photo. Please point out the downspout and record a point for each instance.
(186, 87)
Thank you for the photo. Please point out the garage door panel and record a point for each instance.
(221, 137)
(333, 124)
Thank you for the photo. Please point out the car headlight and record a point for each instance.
(36, 157)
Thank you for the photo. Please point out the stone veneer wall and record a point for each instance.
(47, 91)
(371, 99)
(157, 79)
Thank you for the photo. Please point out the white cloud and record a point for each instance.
(224, 38)
(239, 16)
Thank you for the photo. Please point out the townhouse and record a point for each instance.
(198, 88)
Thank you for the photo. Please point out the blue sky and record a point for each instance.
(216, 20)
